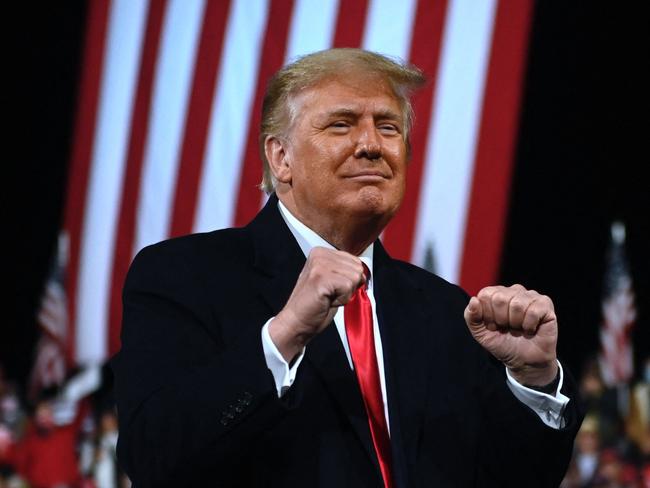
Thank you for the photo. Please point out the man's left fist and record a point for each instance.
(519, 328)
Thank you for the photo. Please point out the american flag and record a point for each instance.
(50, 366)
(168, 117)
(618, 313)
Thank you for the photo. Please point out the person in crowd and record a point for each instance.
(46, 455)
(106, 473)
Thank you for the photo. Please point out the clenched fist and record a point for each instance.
(327, 281)
(518, 327)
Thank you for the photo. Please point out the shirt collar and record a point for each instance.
(308, 239)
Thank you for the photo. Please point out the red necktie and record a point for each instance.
(359, 329)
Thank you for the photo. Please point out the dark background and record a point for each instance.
(578, 163)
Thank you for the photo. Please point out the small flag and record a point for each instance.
(49, 368)
(618, 313)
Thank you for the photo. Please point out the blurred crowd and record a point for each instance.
(56, 442)
(612, 449)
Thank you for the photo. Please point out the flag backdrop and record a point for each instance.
(165, 139)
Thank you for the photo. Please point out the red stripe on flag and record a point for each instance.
(133, 171)
(274, 49)
(190, 169)
(350, 23)
(495, 149)
(79, 170)
(425, 53)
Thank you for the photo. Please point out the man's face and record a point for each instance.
(346, 151)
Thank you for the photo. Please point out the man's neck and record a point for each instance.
(308, 239)
(345, 234)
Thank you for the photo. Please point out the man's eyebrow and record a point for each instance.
(340, 112)
(348, 112)
(387, 114)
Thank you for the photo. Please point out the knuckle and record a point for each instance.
(547, 301)
(539, 307)
(499, 299)
(517, 305)
(486, 292)
(534, 313)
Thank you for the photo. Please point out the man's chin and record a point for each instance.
(378, 199)
(370, 202)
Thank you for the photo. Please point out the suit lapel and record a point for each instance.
(279, 260)
(403, 324)
(325, 352)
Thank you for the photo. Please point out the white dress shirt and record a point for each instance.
(549, 408)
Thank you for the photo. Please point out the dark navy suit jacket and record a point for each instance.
(198, 406)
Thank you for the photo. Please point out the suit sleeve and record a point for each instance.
(191, 401)
(516, 448)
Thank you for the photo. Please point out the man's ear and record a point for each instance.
(276, 154)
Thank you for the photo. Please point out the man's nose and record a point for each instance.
(368, 144)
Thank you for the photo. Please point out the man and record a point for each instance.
(294, 352)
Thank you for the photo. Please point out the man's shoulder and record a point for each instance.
(197, 251)
(200, 242)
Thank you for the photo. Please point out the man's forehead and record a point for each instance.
(341, 95)
(362, 84)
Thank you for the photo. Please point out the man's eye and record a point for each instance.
(340, 125)
(389, 128)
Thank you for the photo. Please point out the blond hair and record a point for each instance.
(308, 70)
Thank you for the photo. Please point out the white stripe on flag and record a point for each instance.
(230, 115)
(312, 27)
(389, 27)
(125, 32)
(451, 146)
(170, 98)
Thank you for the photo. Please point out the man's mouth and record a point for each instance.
(370, 176)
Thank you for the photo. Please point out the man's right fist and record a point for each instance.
(326, 282)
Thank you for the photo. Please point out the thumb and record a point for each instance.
(474, 313)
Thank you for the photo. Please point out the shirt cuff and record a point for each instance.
(549, 408)
(283, 375)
